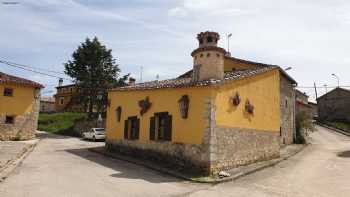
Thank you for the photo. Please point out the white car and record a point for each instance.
(95, 134)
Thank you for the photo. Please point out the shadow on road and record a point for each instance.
(123, 169)
(344, 154)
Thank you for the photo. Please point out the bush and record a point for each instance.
(59, 123)
(303, 125)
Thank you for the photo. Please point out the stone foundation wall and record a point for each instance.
(24, 126)
(236, 147)
(182, 157)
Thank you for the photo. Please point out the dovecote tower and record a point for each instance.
(208, 58)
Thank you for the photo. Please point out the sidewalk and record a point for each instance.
(285, 153)
(11, 153)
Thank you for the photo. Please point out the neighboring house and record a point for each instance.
(314, 110)
(334, 106)
(66, 99)
(47, 105)
(19, 107)
(225, 113)
(302, 103)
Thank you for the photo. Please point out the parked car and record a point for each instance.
(95, 134)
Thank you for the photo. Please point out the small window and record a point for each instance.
(201, 55)
(10, 120)
(208, 54)
(217, 55)
(61, 100)
(132, 128)
(161, 126)
(286, 103)
(210, 39)
(8, 92)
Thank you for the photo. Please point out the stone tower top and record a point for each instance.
(208, 38)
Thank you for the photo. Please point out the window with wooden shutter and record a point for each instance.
(152, 128)
(161, 126)
(8, 92)
(132, 128)
(126, 129)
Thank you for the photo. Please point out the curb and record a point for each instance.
(260, 166)
(266, 164)
(334, 129)
(12, 165)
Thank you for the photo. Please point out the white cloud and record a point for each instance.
(178, 12)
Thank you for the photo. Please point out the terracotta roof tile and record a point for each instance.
(187, 82)
(5, 78)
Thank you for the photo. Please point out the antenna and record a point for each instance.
(228, 41)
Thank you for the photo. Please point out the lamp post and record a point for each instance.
(336, 77)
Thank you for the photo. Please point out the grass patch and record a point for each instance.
(59, 123)
(340, 125)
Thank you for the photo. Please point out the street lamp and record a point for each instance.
(288, 68)
(336, 77)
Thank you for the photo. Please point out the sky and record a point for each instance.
(310, 36)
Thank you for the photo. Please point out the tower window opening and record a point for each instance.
(208, 54)
(210, 39)
(201, 55)
(201, 41)
(217, 55)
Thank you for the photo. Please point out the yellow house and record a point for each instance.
(19, 107)
(224, 113)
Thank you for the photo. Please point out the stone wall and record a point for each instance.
(233, 147)
(287, 106)
(24, 126)
(85, 125)
(188, 158)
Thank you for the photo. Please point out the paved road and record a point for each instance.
(63, 167)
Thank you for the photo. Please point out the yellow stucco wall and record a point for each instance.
(263, 93)
(230, 64)
(18, 104)
(189, 131)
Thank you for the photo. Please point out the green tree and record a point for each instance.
(94, 70)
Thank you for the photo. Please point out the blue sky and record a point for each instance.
(310, 36)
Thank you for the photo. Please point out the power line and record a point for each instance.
(27, 69)
(305, 87)
(27, 66)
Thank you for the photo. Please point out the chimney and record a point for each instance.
(208, 58)
(131, 81)
(60, 82)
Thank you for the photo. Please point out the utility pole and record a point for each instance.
(315, 90)
(141, 70)
(325, 86)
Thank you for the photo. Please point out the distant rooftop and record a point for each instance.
(10, 79)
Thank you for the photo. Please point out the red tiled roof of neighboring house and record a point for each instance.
(187, 82)
(303, 104)
(5, 78)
